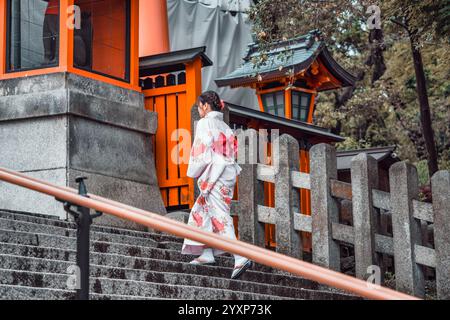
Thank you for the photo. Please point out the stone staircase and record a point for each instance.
(36, 251)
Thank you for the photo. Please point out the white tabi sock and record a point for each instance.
(207, 255)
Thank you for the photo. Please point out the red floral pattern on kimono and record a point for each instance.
(212, 162)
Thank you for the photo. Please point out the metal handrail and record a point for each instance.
(161, 223)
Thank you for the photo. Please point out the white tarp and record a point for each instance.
(196, 23)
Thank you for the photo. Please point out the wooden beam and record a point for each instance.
(288, 104)
(134, 43)
(2, 37)
(164, 90)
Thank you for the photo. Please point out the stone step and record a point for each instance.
(57, 281)
(54, 221)
(108, 286)
(55, 241)
(21, 226)
(203, 280)
(14, 292)
(44, 263)
(105, 247)
(128, 264)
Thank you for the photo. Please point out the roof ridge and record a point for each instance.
(307, 39)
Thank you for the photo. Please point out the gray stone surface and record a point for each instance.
(195, 117)
(33, 266)
(324, 207)
(136, 194)
(59, 126)
(406, 229)
(34, 144)
(17, 198)
(364, 172)
(65, 93)
(110, 151)
(180, 216)
(441, 209)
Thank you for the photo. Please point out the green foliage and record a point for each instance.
(422, 171)
(386, 111)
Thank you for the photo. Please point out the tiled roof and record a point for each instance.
(344, 158)
(171, 61)
(281, 122)
(305, 49)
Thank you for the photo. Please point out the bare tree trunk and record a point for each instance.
(425, 114)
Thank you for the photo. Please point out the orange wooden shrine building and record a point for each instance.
(286, 93)
(126, 43)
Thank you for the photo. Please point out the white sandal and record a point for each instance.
(198, 261)
(238, 271)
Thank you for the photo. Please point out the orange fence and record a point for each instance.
(173, 114)
(255, 253)
(171, 96)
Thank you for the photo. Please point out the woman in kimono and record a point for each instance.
(212, 162)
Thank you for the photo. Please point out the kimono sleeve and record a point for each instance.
(201, 152)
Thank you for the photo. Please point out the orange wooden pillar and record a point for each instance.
(2, 37)
(193, 91)
(305, 199)
(153, 27)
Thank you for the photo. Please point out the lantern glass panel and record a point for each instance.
(273, 103)
(300, 105)
(32, 32)
(102, 41)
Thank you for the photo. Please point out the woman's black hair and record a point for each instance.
(212, 98)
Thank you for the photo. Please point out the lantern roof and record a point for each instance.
(306, 49)
(172, 61)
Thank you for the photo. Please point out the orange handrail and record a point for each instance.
(257, 254)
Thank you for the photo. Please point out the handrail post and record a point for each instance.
(83, 219)
(83, 223)
(440, 183)
(364, 172)
(404, 185)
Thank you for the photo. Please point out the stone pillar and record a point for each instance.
(250, 190)
(405, 228)
(59, 126)
(364, 172)
(324, 207)
(441, 210)
(195, 117)
(287, 160)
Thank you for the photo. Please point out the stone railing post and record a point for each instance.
(405, 228)
(287, 238)
(250, 189)
(364, 172)
(441, 210)
(324, 207)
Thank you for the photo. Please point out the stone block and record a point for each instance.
(61, 125)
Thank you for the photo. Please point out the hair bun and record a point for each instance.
(213, 99)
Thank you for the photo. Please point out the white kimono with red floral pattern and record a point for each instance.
(212, 161)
